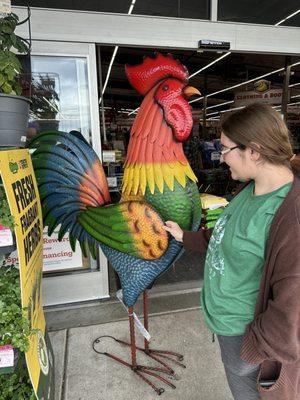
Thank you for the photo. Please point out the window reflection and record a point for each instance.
(60, 99)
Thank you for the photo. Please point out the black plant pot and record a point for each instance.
(14, 113)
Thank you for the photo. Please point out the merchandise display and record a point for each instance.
(212, 207)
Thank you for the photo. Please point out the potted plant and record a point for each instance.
(14, 109)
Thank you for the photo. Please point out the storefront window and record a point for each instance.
(257, 12)
(169, 8)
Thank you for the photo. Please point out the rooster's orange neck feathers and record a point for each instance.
(154, 158)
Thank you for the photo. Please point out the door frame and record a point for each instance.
(77, 286)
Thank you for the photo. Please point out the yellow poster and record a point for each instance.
(22, 193)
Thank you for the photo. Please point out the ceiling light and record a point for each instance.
(288, 17)
(210, 64)
(220, 105)
(109, 68)
(232, 109)
(114, 55)
(240, 108)
(213, 113)
(134, 111)
(244, 83)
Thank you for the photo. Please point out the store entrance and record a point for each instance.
(227, 81)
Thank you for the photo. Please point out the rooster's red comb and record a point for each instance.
(152, 70)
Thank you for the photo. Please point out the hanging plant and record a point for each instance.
(10, 66)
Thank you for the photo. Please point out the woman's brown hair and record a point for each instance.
(261, 128)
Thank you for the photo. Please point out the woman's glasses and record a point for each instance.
(226, 150)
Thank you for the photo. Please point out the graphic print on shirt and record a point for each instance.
(215, 261)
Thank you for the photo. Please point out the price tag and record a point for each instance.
(137, 322)
(6, 356)
(6, 237)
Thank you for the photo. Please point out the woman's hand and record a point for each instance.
(175, 230)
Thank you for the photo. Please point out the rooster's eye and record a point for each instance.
(165, 88)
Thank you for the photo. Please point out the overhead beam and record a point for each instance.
(157, 32)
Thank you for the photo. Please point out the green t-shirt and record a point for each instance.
(235, 260)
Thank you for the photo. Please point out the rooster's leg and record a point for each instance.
(140, 370)
(167, 355)
(143, 369)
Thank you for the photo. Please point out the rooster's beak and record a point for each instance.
(190, 91)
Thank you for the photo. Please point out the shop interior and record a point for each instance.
(226, 80)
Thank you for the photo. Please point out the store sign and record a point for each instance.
(22, 194)
(213, 44)
(57, 255)
(272, 96)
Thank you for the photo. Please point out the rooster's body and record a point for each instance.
(158, 182)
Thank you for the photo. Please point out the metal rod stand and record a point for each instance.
(155, 353)
(139, 370)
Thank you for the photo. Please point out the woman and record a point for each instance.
(251, 293)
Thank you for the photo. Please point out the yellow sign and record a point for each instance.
(23, 197)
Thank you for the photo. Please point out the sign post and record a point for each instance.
(22, 194)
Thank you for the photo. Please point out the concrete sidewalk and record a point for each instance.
(81, 374)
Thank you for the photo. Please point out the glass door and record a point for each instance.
(64, 97)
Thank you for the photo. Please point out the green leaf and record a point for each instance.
(21, 45)
(7, 29)
(6, 88)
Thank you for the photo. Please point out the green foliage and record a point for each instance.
(14, 330)
(17, 386)
(14, 326)
(6, 219)
(10, 66)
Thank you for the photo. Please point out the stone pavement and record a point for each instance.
(81, 374)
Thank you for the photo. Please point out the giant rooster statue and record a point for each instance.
(158, 185)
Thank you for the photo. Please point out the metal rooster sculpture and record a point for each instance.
(158, 185)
